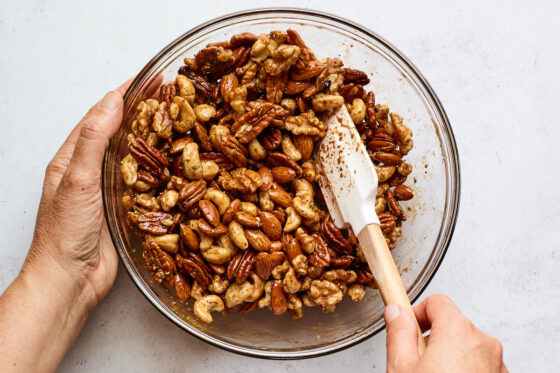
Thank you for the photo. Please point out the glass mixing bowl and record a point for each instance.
(431, 216)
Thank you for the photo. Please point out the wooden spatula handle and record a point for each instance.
(385, 272)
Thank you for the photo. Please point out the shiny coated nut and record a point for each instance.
(220, 199)
(257, 240)
(271, 225)
(210, 230)
(210, 212)
(403, 193)
(238, 235)
(230, 211)
(204, 306)
(167, 242)
(190, 239)
(283, 175)
(204, 112)
(247, 220)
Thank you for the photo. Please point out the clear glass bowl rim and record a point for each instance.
(454, 162)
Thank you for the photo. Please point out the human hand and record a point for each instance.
(454, 343)
(71, 240)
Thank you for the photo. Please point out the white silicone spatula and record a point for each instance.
(349, 183)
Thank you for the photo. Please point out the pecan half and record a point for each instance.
(387, 222)
(167, 92)
(252, 123)
(182, 287)
(364, 275)
(220, 159)
(234, 150)
(194, 269)
(244, 39)
(191, 193)
(201, 134)
(241, 266)
(370, 110)
(342, 262)
(320, 256)
(159, 263)
(355, 76)
(351, 91)
(148, 156)
(271, 138)
(313, 69)
(275, 86)
(334, 236)
(281, 159)
(392, 203)
(156, 223)
(201, 85)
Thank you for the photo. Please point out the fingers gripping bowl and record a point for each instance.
(429, 225)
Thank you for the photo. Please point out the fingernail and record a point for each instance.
(109, 102)
(392, 312)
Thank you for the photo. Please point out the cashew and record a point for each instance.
(265, 301)
(304, 189)
(209, 170)
(358, 110)
(186, 115)
(237, 235)
(259, 288)
(238, 293)
(304, 209)
(219, 284)
(207, 304)
(265, 202)
(293, 220)
(192, 167)
(167, 242)
(380, 204)
(129, 170)
(384, 173)
(289, 149)
(220, 199)
(356, 292)
(186, 88)
(204, 112)
(290, 284)
(250, 208)
(220, 253)
(256, 150)
(323, 102)
(289, 104)
(168, 199)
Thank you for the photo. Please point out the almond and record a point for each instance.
(247, 220)
(403, 193)
(229, 214)
(257, 239)
(209, 229)
(304, 144)
(278, 301)
(190, 239)
(263, 265)
(280, 196)
(209, 211)
(283, 175)
(388, 159)
(271, 225)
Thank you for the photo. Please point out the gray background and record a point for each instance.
(494, 65)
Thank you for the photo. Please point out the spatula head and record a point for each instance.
(348, 179)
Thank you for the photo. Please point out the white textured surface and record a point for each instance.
(494, 65)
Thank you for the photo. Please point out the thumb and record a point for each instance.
(402, 345)
(97, 127)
